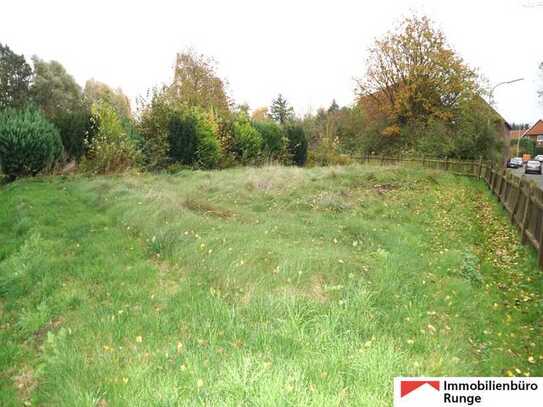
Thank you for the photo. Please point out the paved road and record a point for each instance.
(538, 179)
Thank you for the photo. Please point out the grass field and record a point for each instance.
(271, 286)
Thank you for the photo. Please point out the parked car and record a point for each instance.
(515, 162)
(539, 157)
(533, 167)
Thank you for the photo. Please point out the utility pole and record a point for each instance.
(491, 102)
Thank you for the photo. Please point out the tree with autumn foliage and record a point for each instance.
(96, 92)
(260, 114)
(196, 83)
(414, 75)
(419, 96)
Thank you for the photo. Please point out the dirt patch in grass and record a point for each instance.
(317, 291)
(52, 325)
(331, 201)
(207, 208)
(25, 383)
(382, 189)
(261, 184)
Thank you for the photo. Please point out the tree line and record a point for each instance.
(417, 96)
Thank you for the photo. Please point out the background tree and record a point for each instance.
(526, 146)
(334, 107)
(196, 83)
(274, 140)
(350, 129)
(247, 140)
(281, 111)
(297, 144)
(333, 132)
(519, 126)
(112, 148)
(97, 91)
(15, 76)
(61, 99)
(53, 89)
(413, 74)
(260, 114)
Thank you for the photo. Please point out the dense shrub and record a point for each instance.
(297, 144)
(111, 149)
(28, 143)
(527, 146)
(434, 139)
(153, 129)
(182, 137)
(208, 152)
(246, 139)
(327, 153)
(75, 128)
(192, 137)
(274, 140)
(174, 134)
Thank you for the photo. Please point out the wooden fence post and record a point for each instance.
(515, 206)
(526, 215)
(503, 182)
(423, 159)
(491, 177)
(446, 163)
(480, 167)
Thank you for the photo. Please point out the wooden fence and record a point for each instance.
(522, 199)
(470, 168)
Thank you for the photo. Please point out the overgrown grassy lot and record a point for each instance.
(271, 286)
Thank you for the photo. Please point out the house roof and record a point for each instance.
(535, 130)
(516, 133)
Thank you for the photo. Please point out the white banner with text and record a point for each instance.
(468, 391)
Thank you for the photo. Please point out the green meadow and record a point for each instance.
(258, 286)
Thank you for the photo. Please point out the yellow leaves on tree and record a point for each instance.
(413, 75)
(196, 83)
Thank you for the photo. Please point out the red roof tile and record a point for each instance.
(536, 129)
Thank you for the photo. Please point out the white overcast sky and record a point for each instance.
(310, 51)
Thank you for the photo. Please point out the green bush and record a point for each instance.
(274, 140)
(208, 152)
(327, 153)
(112, 149)
(527, 146)
(192, 137)
(75, 127)
(29, 144)
(246, 140)
(182, 137)
(171, 133)
(153, 129)
(297, 144)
